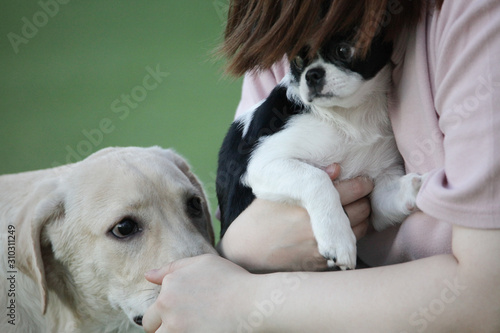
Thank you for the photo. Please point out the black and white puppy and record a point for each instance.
(330, 109)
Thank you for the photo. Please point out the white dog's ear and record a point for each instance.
(44, 205)
(185, 168)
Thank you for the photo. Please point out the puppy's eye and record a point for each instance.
(194, 206)
(344, 52)
(299, 63)
(125, 228)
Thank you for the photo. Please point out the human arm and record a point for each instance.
(270, 236)
(447, 293)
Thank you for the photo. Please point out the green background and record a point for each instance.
(64, 63)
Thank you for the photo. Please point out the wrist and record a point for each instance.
(264, 306)
(231, 249)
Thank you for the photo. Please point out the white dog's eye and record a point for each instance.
(344, 52)
(194, 206)
(125, 228)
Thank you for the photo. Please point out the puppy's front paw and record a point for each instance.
(410, 185)
(339, 250)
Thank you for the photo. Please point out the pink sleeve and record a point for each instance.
(258, 85)
(444, 112)
(464, 65)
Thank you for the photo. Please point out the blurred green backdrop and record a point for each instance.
(77, 76)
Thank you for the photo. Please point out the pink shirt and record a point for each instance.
(444, 108)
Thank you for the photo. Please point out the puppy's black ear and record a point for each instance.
(182, 164)
(44, 205)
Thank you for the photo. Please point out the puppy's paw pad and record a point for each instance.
(347, 261)
(410, 185)
(331, 262)
(411, 207)
(343, 255)
(416, 182)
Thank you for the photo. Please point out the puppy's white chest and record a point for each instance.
(320, 143)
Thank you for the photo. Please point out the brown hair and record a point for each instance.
(259, 32)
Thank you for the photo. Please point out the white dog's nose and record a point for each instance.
(138, 320)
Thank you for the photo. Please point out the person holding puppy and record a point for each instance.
(435, 272)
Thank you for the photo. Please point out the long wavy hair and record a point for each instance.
(260, 32)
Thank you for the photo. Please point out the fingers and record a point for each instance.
(354, 189)
(358, 213)
(350, 190)
(333, 171)
(361, 229)
(157, 275)
(151, 321)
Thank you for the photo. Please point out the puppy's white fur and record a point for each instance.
(73, 275)
(347, 124)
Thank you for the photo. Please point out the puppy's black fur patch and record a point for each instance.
(377, 57)
(268, 118)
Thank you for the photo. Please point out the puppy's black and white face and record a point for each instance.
(335, 77)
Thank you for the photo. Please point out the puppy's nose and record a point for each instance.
(315, 77)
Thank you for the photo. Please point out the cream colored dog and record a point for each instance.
(77, 239)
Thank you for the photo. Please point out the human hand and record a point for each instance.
(195, 295)
(271, 236)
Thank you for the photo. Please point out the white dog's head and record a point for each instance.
(109, 219)
(337, 76)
